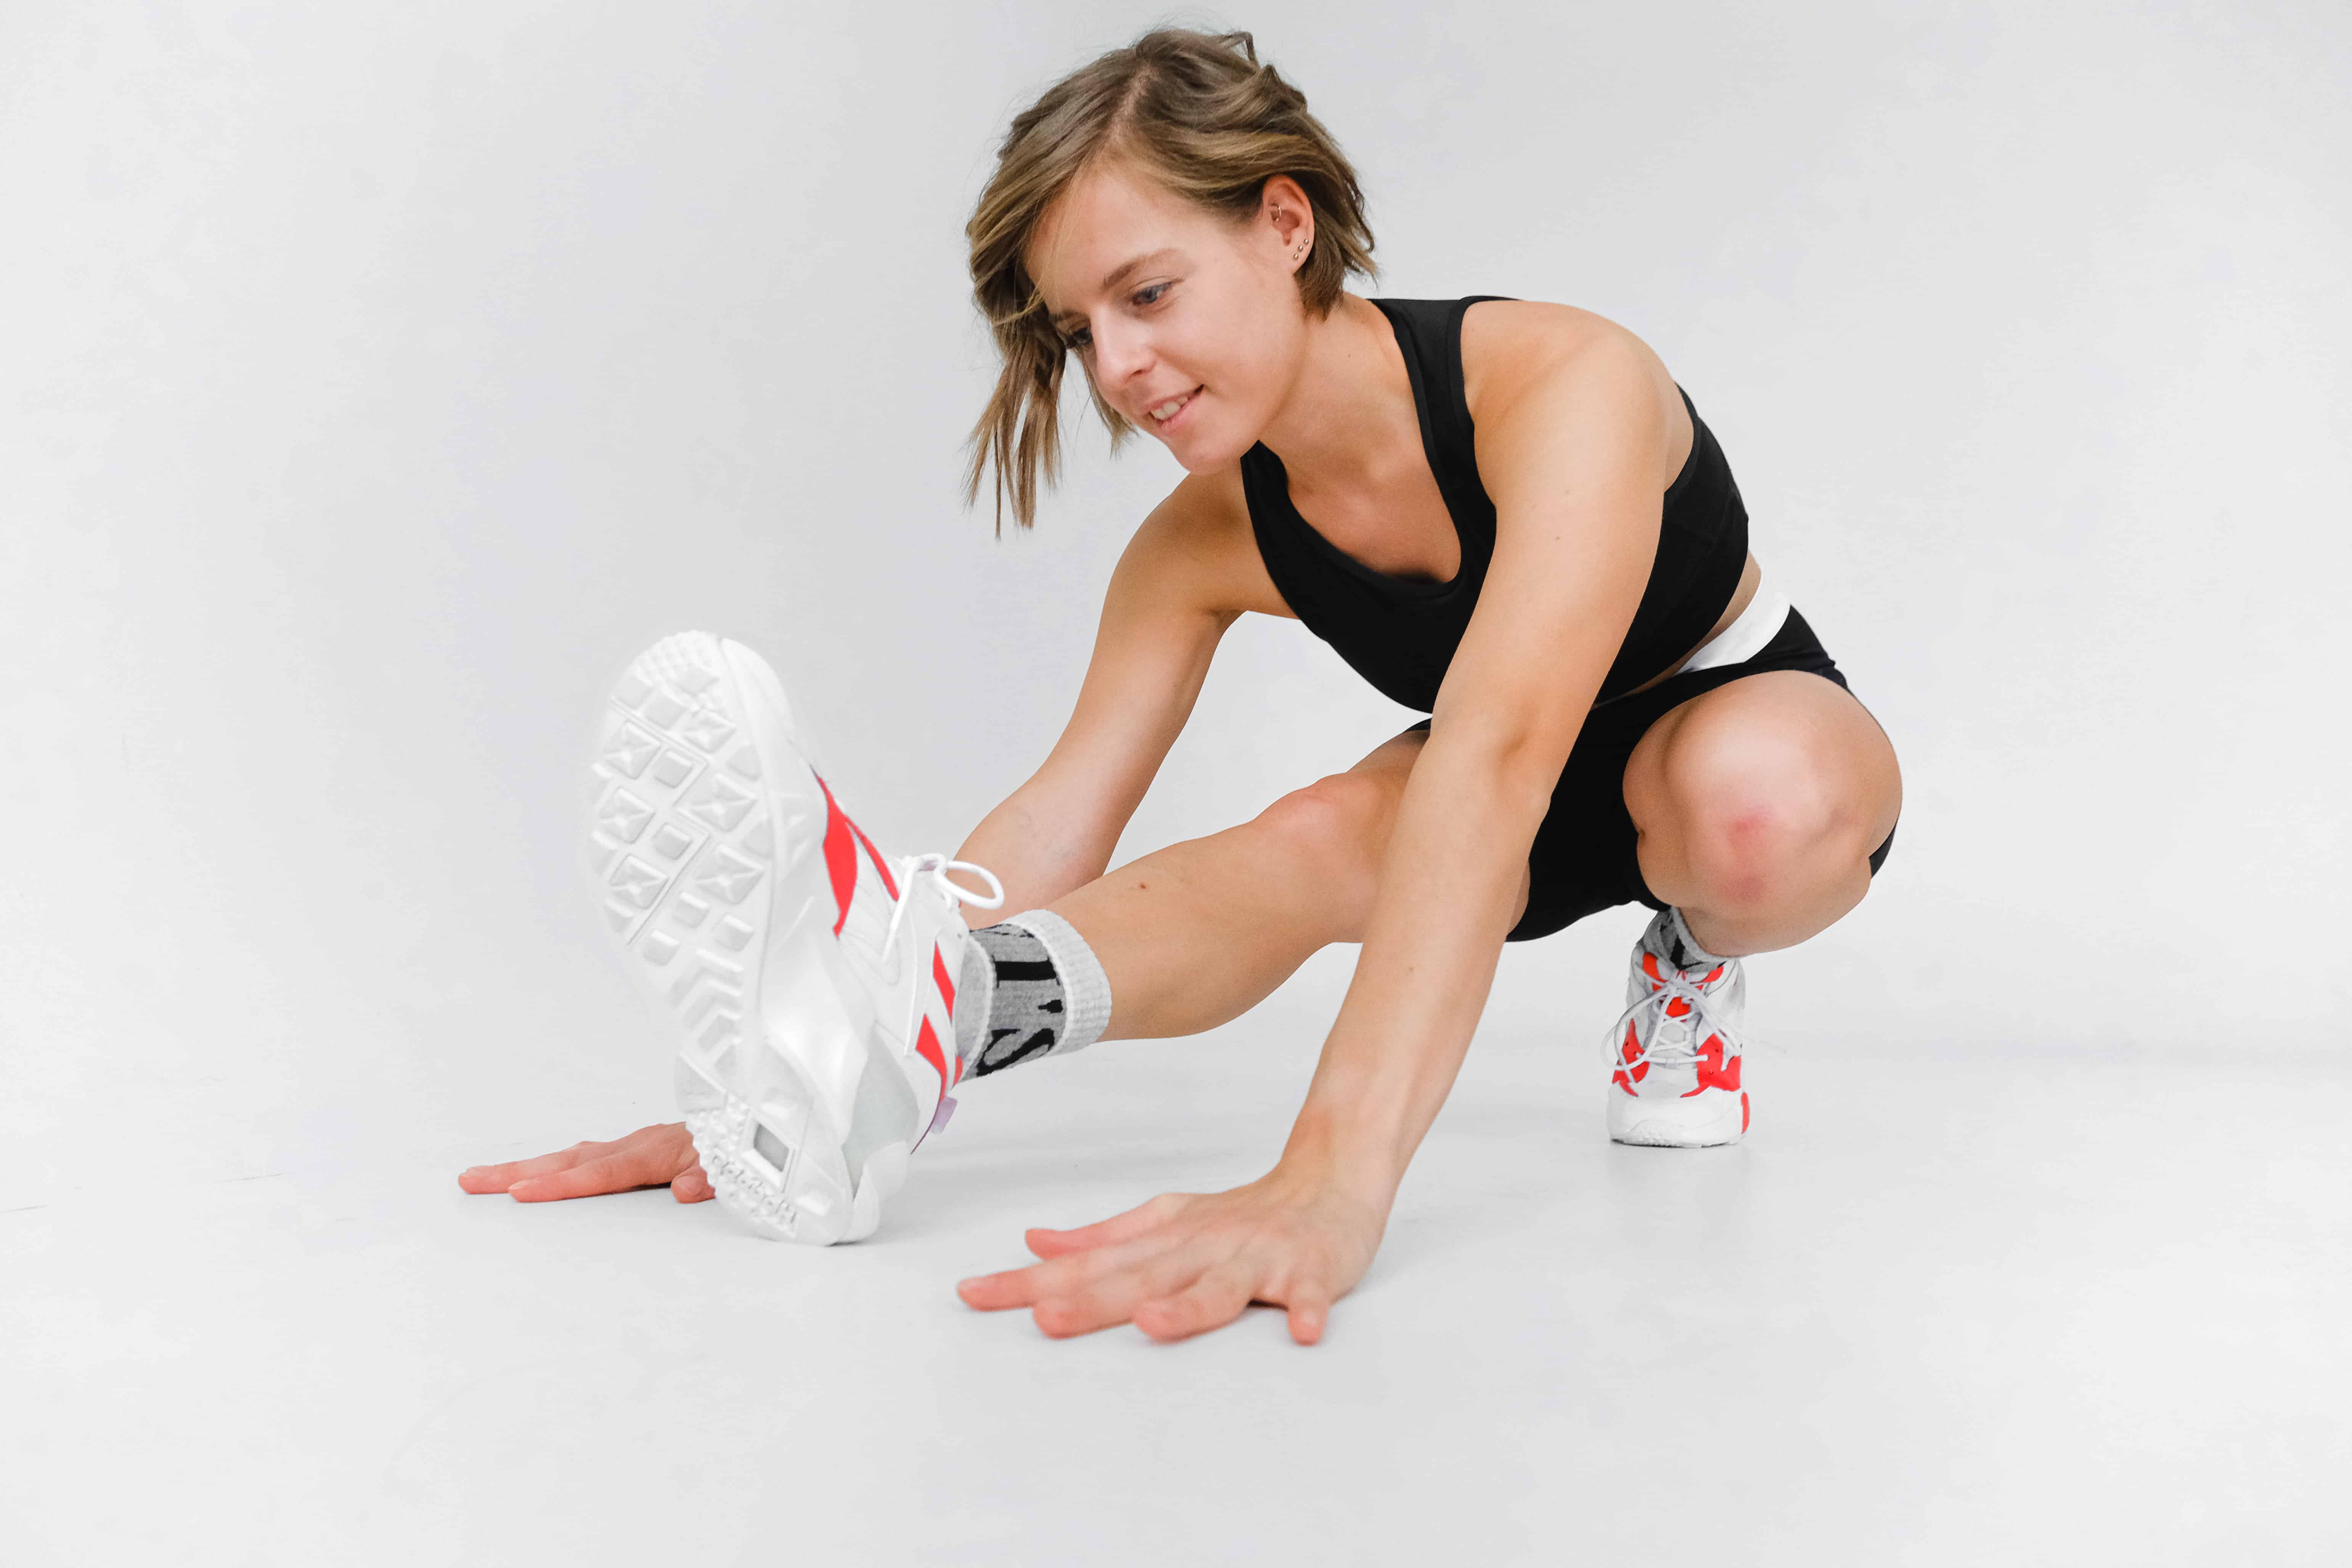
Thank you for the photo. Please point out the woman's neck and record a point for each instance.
(1350, 421)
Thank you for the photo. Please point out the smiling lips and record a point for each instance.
(1165, 411)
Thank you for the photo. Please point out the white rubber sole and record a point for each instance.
(1705, 1121)
(704, 850)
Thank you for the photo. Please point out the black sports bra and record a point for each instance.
(1400, 633)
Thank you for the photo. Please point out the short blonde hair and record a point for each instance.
(1201, 114)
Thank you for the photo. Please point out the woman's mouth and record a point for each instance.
(1163, 414)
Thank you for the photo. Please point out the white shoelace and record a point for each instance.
(936, 866)
(1681, 1047)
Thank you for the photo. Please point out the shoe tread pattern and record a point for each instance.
(680, 852)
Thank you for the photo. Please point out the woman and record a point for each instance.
(1505, 514)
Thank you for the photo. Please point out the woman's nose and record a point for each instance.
(1119, 353)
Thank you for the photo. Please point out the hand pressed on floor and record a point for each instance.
(1187, 1262)
(649, 1157)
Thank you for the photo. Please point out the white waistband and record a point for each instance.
(1745, 637)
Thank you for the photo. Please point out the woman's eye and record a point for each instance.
(1150, 295)
(1081, 339)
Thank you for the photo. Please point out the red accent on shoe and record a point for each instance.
(840, 836)
(1713, 975)
(1626, 1078)
(840, 854)
(876, 855)
(940, 978)
(1650, 968)
(947, 993)
(1713, 1072)
(926, 1046)
(1743, 1110)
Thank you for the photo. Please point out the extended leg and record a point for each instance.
(1197, 934)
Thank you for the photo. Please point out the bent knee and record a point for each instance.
(1336, 822)
(1754, 825)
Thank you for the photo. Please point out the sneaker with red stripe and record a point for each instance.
(1675, 1055)
(807, 980)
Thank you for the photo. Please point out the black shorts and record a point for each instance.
(1583, 859)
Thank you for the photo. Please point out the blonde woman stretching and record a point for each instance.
(1504, 513)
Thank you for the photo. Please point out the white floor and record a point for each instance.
(2020, 1307)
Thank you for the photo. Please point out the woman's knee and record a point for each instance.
(1336, 825)
(1752, 819)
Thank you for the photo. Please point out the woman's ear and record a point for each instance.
(1289, 217)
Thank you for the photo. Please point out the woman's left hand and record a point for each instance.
(1187, 1262)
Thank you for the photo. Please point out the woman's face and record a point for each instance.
(1187, 322)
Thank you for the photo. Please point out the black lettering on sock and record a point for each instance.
(1026, 1008)
(1036, 1044)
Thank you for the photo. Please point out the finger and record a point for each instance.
(1055, 1276)
(690, 1185)
(1211, 1301)
(1135, 1222)
(1113, 1299)
(1309, 1310)
(997, 1292)
(1059, 1276)
(498, 1178)
(612, 1174)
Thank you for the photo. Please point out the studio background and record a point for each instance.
(379, 380)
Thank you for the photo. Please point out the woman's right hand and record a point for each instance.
(649, 1157)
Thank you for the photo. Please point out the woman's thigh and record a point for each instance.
(1301, 873)
(1346, 820)
(1390, 763)
(1198, 932)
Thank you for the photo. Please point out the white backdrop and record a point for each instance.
(377, 379)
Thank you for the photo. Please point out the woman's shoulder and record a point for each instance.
(1554, 360)
(1198, 544)
(1511, 345)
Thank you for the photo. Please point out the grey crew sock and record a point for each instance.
(1031, 987)
(1669, 936)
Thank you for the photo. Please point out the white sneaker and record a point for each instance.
(1675, 1056)
(809, 981)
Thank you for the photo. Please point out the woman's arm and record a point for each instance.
(1571, 446)
(1183, 579)
(1572, 449)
